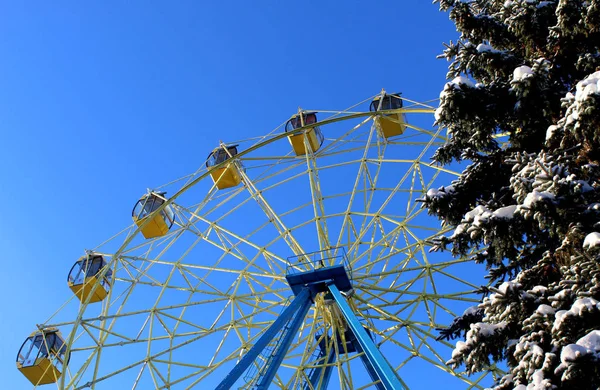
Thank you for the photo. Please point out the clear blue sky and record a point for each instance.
(100, 100)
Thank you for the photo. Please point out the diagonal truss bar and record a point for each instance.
(317, 197)
(284, 232)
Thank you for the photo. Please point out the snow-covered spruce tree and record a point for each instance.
(523, 108)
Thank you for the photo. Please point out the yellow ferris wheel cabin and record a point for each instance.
(312, 133)
(158, 223)
(42, 357)
(86, 281)
(389, 124)
(227, 175)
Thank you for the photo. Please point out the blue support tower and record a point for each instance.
(369, 367)
(245, 362)
(307, 279)
(351, 346)
(314, 379)
(386, 375)
(270, 368)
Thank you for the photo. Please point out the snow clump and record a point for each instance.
(507, 212)
(521, 73)
(456, 84)
(550, 131)
(578, 308)
(589, 85)
(592, 240)
(483, 48)
(535, 196)
(591, 341)
(572, 352)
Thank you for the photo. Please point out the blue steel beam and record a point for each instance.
(300, 301)
(369, 367)
(283, 346)
(316, 374)
(385, 373)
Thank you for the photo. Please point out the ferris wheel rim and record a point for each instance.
(203, 176)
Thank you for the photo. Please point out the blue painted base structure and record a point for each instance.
(315, 376)
(370, 368)
(270, 369)
(318, 278)
(245, 362)
(332, 279)
(350, 345)
(386, 375)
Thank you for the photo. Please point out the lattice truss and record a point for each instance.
(183, 308)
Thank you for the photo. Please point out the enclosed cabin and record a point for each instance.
(158, 223)
(42, 357)
(389, 124)
(312, 134)
(86, 280)
(226, 175)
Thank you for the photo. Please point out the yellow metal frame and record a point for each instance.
(397, 282)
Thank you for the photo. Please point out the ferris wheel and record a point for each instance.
(294, 260)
